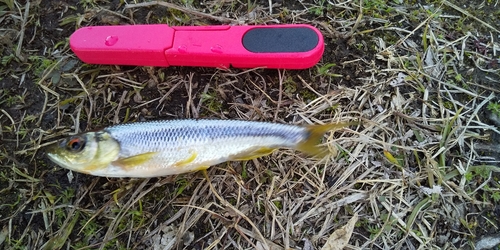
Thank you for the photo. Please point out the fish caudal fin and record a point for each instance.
(310, 145)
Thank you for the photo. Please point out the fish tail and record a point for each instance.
(315, 133)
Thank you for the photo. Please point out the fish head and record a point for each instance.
(86, 152)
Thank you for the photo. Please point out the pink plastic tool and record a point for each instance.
(291, 46)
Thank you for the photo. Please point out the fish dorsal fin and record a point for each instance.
(252, 154)
(135, 160)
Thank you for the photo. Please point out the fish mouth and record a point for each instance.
(55, 158)
(55, 153)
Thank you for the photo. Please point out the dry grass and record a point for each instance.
(419, 172)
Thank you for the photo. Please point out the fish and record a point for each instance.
(171, 147)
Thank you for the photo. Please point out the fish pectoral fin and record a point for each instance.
(252, 154)
(135, 160)
(187, 161)
(89, 169)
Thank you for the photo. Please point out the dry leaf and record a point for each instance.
(339, 239)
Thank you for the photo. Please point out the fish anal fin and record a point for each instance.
(187, 161)
(252, 154)
(135, 160)
(201, 168)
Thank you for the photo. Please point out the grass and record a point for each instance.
(420, 171)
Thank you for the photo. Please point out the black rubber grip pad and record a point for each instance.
(277, 40)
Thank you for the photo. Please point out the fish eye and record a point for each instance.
(75, 144)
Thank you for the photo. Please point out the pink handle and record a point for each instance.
(123, 45)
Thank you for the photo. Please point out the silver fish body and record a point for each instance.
(151, 149)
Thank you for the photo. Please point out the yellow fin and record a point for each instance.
(316, 132)
(183, 163)
(252, 154)
(90, 168)
(135, 160)
(201, 168)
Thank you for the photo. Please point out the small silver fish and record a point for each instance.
(153, 149)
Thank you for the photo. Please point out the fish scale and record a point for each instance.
(196, 130)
